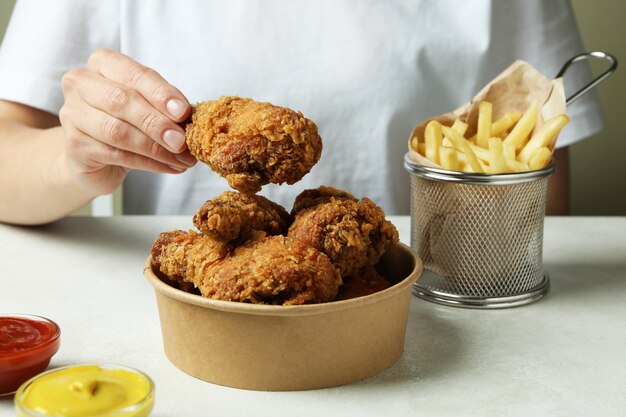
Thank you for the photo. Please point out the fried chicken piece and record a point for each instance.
(181, 255)
(264, 270)
(353, 234)
(365, 282)
(232, 215)
(252, 144)
(272, 270)
(315, 196)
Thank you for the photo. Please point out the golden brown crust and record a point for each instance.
(232, 216)
(273, 270)
(251, 143)
(264, 270)
(312, 197)
(183, 255)
(353, 234)
(364, 282)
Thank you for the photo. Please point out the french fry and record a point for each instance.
(421, 148)
(519, 134)
(544, 137)
(508, 149)
(464, 164)
(460, 126)
(516, 166)
(481, 153)
(461, 144)
(483, 166)
(505, 123)
(500, 126)
(433, 139)
(498, 162)
(510, 144)
(540, 158)
(483, 133)
(448, 158)
(414, 143)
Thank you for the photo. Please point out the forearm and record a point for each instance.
(35, 184)
(117, 115)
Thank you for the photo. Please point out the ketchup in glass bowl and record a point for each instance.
(27, 343)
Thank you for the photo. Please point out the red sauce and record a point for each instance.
(26, 345)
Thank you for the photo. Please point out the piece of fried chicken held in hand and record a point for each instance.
(234, 216)
(251, 143)
(352, 233)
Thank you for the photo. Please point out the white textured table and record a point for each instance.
(562, 356)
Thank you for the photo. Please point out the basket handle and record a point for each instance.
(584, 57)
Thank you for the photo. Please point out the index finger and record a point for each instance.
(149, 83)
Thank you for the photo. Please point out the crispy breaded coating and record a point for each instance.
(181, 255)
(264, 270)
(272, 270)
(315, 196)
(364, 282)
(251, 143)
(232, 215)
(353, 234)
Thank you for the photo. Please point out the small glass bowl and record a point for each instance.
(17, 367)
(141, 408)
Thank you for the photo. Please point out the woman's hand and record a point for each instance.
(120, 115)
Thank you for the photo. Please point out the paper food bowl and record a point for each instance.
(286, 348)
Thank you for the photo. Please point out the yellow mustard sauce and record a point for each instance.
(88, 390)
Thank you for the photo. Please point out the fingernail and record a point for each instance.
(186, 159)
(174, 139)
(176, 108)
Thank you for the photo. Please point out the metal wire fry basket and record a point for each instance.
(480, 237)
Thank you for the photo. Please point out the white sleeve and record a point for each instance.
(545, 34)
(45, 39)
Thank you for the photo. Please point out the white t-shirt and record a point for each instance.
(366, 71)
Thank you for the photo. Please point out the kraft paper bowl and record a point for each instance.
(286, 348)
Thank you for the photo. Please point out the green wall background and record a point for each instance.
(598, 163)
(6, 6)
